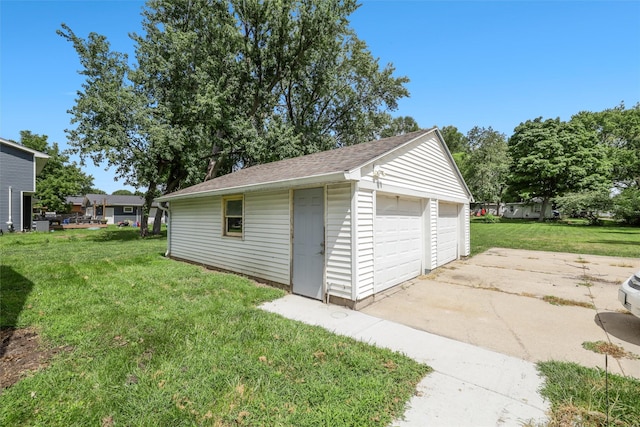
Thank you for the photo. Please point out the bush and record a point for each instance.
(626, 206)
(586, 205)
(489, 218)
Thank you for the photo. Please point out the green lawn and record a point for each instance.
(151, 341)
(556, 237)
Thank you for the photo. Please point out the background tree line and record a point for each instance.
(587, 165)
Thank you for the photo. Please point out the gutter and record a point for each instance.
(168, 212)
(319, 180)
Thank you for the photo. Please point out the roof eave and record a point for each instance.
(271, 185)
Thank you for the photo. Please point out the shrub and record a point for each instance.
(626, 206)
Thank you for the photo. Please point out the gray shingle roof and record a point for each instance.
(114, 200)
(317, 164)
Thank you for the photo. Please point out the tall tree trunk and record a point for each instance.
(214, 163)
(545, 203)
(148, 200)
(157, 222)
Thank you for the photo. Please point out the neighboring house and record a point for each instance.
(115, 208)
(526, 210)
(76, 203)
(340, 225)
(19, 167)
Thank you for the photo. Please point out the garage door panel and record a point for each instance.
(398, 241)
(447, 233)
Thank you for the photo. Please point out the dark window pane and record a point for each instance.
(234, 225)
(234, 208)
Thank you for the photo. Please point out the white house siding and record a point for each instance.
(466, 230)
(264, 250)
(365, 243)
(431, 235)
(338, 243)
(422, 167)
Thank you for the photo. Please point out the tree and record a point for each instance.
(587, 204)
(626, 206)
(221, 85)
(487, 166)
(399, 126)
(455, 140)
(551, 158)
(59, 178)
(618, 129)
(95, 191)
(122, 193)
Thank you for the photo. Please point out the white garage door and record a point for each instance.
(447, 233)
(398, 250)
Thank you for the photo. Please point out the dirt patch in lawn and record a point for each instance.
(20, 353)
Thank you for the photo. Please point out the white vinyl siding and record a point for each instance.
(419, 168)
(338, 244)
(431, 234)
(466, 220)
(365, 241)
(264, 252)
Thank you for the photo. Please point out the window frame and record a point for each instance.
(127, 209)
(225, 223)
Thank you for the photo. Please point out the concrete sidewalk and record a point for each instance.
(469, 385)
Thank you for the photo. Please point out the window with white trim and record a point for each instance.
(127, 209)
(232, 214)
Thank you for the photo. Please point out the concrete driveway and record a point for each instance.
(495, 300)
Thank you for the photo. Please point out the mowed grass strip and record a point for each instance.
(609, 239)
(159, 342)
(589, 397)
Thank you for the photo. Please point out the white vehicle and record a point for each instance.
(629, 294)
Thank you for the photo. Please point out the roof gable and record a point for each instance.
(325, 164)
(39, 157)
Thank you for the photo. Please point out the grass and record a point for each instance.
(609, 239)
(588, 397)
(553, 300)
(613, 350)
(157, 342)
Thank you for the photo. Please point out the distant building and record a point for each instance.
(19, 167)
(112, 208)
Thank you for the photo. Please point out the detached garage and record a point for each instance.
(338, 226)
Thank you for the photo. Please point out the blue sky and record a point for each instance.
(471, 63)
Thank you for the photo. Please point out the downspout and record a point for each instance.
(10, 221)
(168, 212)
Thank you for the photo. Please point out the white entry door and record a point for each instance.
(398, 238)
(110, 216)
(308, 242)
(447, 233)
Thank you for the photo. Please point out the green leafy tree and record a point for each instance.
(626, 206)
(587, 204)
(95, 191)
(486, 169)
(619, 130)
(220, 85)
(551, 158)
(399, 126)
(59, 178)
(456, 141)
(122, 193)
